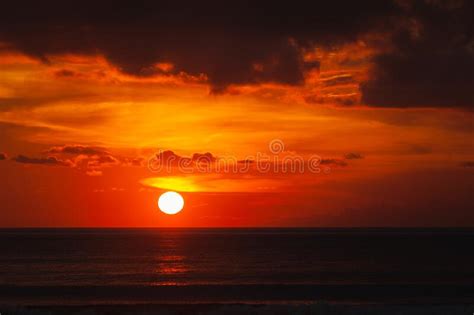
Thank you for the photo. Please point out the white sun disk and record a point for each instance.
(170, 202)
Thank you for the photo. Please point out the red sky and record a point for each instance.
(84, 111)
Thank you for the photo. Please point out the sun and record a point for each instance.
(170, 202)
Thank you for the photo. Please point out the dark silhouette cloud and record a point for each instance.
(432, 62)
(170, 158)
(77, 149)
(333, 161)
(237, 42)
(65, 73)
(203, 157)
(53, 161)
(3, 156)
(353, 156)
(467, 164)
(90, 159)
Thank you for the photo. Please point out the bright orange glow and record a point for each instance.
(396, 156)
(171, 202)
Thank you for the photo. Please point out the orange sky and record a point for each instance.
(409, 171)
(78, 134)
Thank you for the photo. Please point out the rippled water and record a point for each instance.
(153, 257)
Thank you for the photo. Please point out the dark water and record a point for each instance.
(235, 264)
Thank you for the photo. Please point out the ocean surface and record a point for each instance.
(62, 266)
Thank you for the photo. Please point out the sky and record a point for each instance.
(325, 114)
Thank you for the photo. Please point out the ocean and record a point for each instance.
(272, 265)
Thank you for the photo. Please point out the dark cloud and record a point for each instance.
(169, 158)
(65, 73)
(353, 156)
(333, 161)
(203, 157)
(237, 42)
(467, 164)
(90, 159)
(342, 100)
(53, 161)
(432, 62)
(3, 156)
(78, 149)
